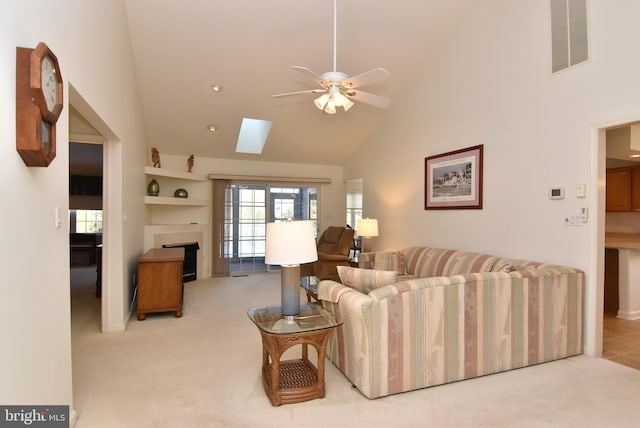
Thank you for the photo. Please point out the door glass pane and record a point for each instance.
(248, 207)
(245, 228)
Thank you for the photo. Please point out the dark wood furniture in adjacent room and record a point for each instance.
(85, 243)
(99, 271)
(160, 287)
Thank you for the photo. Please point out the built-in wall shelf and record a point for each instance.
(165, 200)
(183, 175)
(166, 208)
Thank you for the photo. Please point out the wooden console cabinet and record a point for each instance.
(160, 287)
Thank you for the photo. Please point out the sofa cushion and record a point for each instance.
(383, 260)
(365, 280)
(425, 262)
(469, 262)
(510, 265)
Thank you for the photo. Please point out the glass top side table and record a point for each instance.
(297, 380)
(310, 285)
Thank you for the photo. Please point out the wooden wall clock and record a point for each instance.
(39, 101)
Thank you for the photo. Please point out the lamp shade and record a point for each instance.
(290, 243)
(367, 227)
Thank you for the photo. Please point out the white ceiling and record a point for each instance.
(180, 47)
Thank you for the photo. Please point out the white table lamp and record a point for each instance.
(367, 228)
(288, 244)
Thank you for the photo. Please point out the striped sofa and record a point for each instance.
(451, 315)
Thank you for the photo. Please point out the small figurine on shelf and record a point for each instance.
(181, 193)
(190, 163)
(155, 157)
(153, 189)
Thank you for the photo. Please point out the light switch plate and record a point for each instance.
(58, 219)
(581, 191)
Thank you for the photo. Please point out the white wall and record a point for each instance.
(491, 84)
(333, 205)
(90, 40)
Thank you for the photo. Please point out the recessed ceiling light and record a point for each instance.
(215, 87)
(212, 128)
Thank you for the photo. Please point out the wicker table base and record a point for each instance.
(293, 381)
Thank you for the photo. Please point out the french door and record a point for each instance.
(249, 207)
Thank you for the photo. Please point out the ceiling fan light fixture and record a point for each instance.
(321, 101)
(331, 106)
(338, 86)
(329, 102)
(341, 101)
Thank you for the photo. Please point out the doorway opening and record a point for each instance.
(248, 207)
(86, 226)
(620, 323)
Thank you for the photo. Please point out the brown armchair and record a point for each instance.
(333, 247)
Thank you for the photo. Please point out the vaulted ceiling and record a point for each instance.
(181, 47)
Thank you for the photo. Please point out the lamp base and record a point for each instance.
(286, 323)
(363, 244)
(290, 290)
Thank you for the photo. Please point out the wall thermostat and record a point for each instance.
(556, 193)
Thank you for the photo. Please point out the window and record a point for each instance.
(251, 230)
(354, 202)
(248, 207)
(85, 221)
(296, 203)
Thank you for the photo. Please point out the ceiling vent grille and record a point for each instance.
(569, 33)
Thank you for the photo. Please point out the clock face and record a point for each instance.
(49, 83)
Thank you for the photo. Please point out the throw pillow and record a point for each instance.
(365, 280)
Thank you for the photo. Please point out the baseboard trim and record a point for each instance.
(628, 315)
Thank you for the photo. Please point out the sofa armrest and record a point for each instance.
(332, 291)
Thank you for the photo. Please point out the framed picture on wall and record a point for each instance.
(453, 180)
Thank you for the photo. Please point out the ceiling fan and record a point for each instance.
(337, 88)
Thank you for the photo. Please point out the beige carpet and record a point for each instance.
(203, 370)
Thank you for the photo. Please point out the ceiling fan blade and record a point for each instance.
(315, 76)
(367, 98)
(366, 78)
(308, 91)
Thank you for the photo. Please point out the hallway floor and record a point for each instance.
(621, 340)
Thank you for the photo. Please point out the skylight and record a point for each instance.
(253, 135)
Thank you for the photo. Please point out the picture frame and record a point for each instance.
(453, 180)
